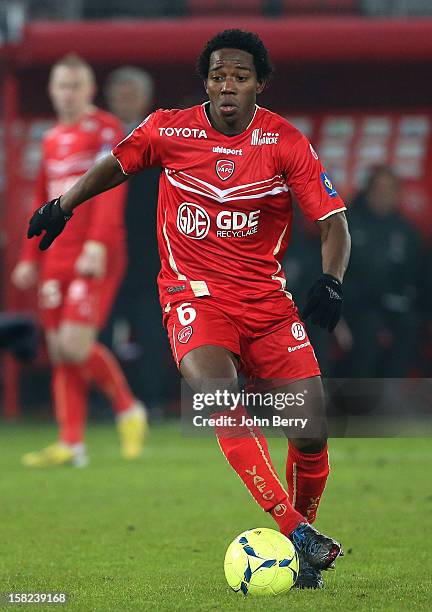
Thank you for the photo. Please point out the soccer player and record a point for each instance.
(224, 220)
(79, 277)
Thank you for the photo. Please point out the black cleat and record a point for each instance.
(308, 577)
(317, 549)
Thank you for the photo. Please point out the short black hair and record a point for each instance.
(237, 39)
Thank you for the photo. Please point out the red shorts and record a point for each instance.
(267, 335)
(66, 296)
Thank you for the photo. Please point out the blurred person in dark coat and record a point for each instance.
(381, 285)
(136, 327)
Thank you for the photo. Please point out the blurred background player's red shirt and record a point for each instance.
(68, 151)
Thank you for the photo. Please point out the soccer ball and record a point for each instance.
(261, 562)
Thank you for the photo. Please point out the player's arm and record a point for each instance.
(335, 245)
(53, 216)
(134, 153)
(325, 298)
(26, 272)
(321, 203)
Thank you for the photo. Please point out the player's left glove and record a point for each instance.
(49, 217)
(324, 302)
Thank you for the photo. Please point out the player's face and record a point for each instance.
(71, 91)
(232, 87)
(383, 195)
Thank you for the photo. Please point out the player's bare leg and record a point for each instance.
(307, 465)
(77, 360)
(246, 450)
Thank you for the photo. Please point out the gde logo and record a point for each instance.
(298, 331)
(193, 221)
(225, 168)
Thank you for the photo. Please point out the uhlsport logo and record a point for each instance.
(185, 334)
(263, 138)
(298, 331)
(193, 221)
(225, 168)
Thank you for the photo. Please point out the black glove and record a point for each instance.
(49, 217)
(324, 302)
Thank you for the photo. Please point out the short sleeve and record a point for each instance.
(138, 150)
(309, 181)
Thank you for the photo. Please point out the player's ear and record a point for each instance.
(261, 86)
(205, 86)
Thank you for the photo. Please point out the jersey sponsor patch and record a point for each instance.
(328, 185)
(225, 168)
(193, 221)
(185, 334)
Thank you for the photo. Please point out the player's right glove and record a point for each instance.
(51, 218)
(324, 302)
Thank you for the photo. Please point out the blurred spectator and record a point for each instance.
(135, 327)
(129, 93)
(380, 286)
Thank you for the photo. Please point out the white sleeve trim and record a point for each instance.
(332, 212)
(119, 163)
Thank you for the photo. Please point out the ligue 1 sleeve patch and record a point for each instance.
(328, 185)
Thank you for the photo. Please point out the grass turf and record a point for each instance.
(151, 535)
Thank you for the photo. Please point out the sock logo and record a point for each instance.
(279, 510)
(260, 484)
(312, 508)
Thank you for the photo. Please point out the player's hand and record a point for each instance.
(51, 218)
(324, 302)
(92, 260)
(25, 275)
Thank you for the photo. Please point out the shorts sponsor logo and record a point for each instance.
(225, 168)
(226, 151)
(183, 132)
(328, 185)
(193, 221)
(259, 137)
(291, 349)
(298, 331)
(177, 289)
(185, 334)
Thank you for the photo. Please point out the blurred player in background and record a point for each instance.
(79, 278)
(224, 222)
(135, 328)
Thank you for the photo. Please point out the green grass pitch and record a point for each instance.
(151, 535)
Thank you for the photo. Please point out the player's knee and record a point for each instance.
(310, 445)
(73, 349)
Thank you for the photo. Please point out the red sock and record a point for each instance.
(246, 450)
(70, 399)
(306, 477)
(103, 368)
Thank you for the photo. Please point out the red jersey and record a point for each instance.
(68, 151)
(225, 203)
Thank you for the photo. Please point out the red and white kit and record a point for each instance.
(224, 223)
(68, 151)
